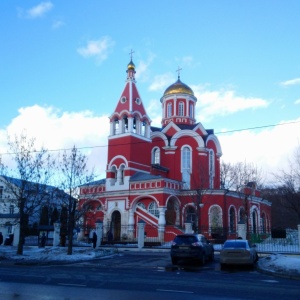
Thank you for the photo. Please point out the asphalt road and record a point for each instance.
(140, 275)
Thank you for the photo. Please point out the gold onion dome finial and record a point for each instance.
(131, 65)
(178, 88)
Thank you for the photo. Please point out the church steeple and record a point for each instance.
(130, 115)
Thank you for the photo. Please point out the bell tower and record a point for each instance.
(129, 132)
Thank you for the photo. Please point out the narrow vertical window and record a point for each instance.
(169, 110)
(116, 126)
(156, 156)
(144, 124)
(114, 175)
(121, 170)
(125, 124)
(232, 220)
(186, 167)
(134, 129)
(180, 108)
(191, 112)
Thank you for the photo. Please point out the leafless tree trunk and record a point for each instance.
(74, 173)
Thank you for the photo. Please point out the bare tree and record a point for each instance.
(26, 183)
(234, 177)
(74, 173)
(242, 178)
(288, 186)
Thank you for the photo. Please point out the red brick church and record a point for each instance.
(167, 176)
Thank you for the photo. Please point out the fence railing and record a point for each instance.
(284, 241)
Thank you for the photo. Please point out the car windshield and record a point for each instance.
(185, 239)
(235, 244)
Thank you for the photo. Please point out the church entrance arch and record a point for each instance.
(115, 225)
(171, 213)
(191, 216)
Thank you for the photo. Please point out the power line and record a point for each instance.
(104, 146)
(258, 127)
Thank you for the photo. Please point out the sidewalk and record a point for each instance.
(287, 266)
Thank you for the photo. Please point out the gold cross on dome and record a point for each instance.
(130, 53)
(178, 71)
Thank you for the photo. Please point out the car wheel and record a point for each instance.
(174, 260)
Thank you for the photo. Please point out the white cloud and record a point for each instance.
(295, 81)
(297, 101)
(142, 70)
(62, 130)
(162, 81)
(37, 11)
(269, 149)
(224, 102)
(57, 24)
(97, 48)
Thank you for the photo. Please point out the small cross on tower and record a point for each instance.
(130, 53)
(178, 71)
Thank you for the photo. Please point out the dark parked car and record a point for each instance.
(191, 246)
(238, 252)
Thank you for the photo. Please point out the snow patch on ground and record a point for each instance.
(282, 264)
(54, 253)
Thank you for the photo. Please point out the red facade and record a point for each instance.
(169, 177)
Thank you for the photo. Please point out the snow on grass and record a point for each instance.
(54, 253)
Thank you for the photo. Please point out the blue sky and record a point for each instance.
(63, 69)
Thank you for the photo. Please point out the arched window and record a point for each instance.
(180, 108)
(144, 128)
(153, 210)
(116, 126)
(156, 156)
(242, 216)
(114, 175)
(191, 217)
(186, 162)
(169, 110)
(121, 174)
(135, 124)
(125, 124)
(254, 222)
(215, 218)
(142, 205)
(232, 220)
(211, 168)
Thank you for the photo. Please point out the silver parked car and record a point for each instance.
(238, 252)
(191, 246)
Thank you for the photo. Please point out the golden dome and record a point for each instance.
(178, 88)
(131, 66)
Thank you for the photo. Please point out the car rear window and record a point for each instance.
(235, 244)
(185, 240)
